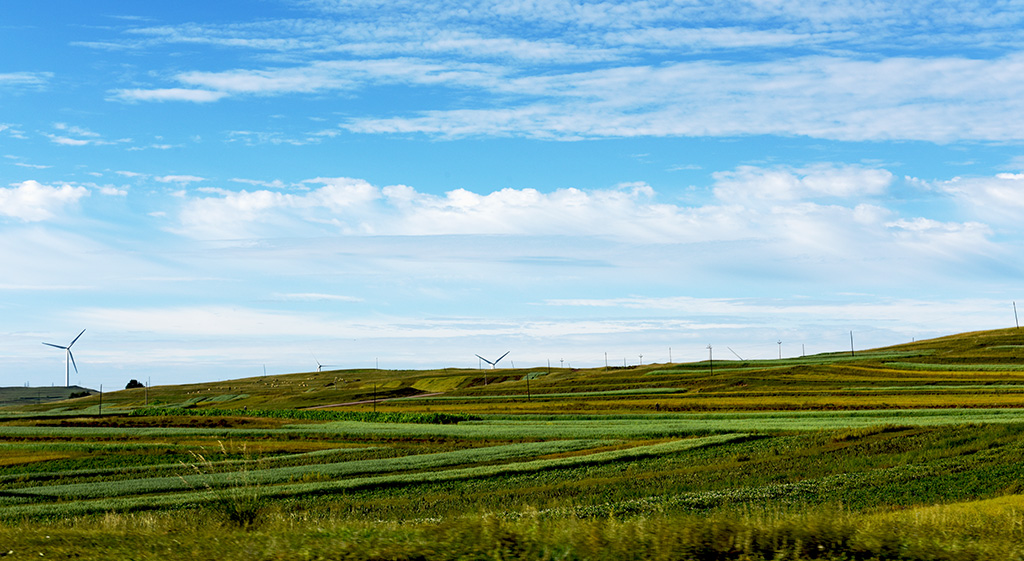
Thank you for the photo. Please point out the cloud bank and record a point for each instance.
(31, 201)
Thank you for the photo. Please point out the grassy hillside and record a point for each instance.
(27, 396)
(982, 369)
(909, 452)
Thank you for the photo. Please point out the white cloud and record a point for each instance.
(31, 201)
(908, 314)
(936, 100)
(113, 191)
(785, 222)
(75, 130)
(65, 141)
(71, 135)
(154, 147)
(179, 179)
(12, 130)
(999, 199)
(315, 297)
(346, 74)
(577, 73)
(168, 94)
(271, 81)
(32, 80)
(226, 322)
(751, 183)
(275, 184)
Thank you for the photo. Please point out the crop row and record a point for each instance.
(269, 476)
(538, 427)
(210, 493)
(598, 393)
(122, 469)
(957, 367)
(308, 415)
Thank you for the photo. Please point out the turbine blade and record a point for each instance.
(76, 338)
(501, 357)
(485, 360)
(57, 346)
(734, 352)
(72, 357)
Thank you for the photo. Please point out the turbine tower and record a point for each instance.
(69, 359)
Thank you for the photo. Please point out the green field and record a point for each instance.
(910, 452)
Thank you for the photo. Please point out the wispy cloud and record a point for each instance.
(628, 69)
(12, 130)
(179, 179)
(820, 96)
(111, 190)
(28, 80)
(72, 135)
(995, 199)
(315, 297)
(168, 94)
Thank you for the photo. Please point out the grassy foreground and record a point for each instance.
(914, 452)
(978, 530)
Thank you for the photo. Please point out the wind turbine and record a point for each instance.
(320, 367)
(495, 363)
(69, 359)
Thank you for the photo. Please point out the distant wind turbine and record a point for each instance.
(69, 359)
(320, 367)
(495, 363)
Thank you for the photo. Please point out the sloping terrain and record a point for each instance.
(29, 396)
(813, 457)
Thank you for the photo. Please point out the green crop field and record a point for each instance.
(910, 452)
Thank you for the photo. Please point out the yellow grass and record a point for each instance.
(28, 458)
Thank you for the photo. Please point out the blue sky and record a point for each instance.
(211, 188)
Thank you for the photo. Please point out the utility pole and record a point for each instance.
(374, 398)
(101, 399)
(528, 387)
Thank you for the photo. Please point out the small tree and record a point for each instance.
(134, 384)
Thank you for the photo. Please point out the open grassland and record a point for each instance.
(913, 452)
